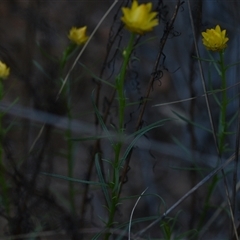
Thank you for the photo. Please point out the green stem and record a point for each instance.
(222, 129)
(115, 184)
(222, 120)
(211, 188)
(120, 82)
(68, 134)
(70, 150)
(66, 54)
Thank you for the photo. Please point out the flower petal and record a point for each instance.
(78, 35)
(139, 18)
(215, 39)
(4, 70)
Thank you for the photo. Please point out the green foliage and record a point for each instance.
(90, 186)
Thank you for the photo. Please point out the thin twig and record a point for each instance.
(131, 215)
(85, 45)
(37, 137)
(210, 115)
(192, 98)
(97, 145)
(215, 216)
(163, 41)
(202, 77)
(235, 173)
(204, 180)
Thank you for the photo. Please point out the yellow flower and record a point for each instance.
(78, 35)
(4, 70)
(215, 39)
(139, 18)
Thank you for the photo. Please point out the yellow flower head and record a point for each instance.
(215, 39)
(78, 35)
(139, 18)
(4, 70)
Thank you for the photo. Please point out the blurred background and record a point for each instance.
(168, 160)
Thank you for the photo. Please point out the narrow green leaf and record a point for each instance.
(89, 138)
(181, 146)
(215, 63)
(70, 179)
(139, 134)
(96, 77)
(45, 53)
(234, 117)
(204, 59)
(104, 127)
(11, 105)
(102, 181)
(231, 65)
(193, 123)
(150, 127)
(40, 68)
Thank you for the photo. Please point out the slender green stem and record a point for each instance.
(68, 134)
(222, 129)
(120, 83)
(70, 153)
(222, 120)
(211, 188)
(115, 184)
(66, 54)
